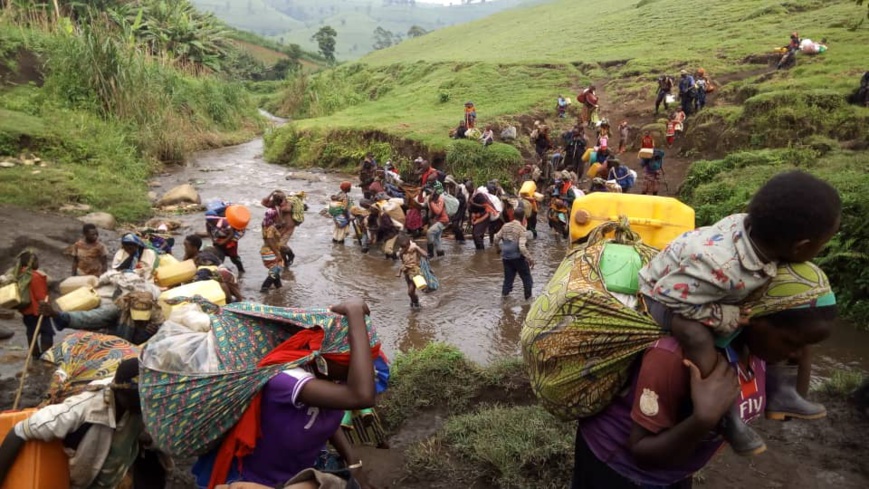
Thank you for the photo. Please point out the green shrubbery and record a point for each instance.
(470, 159)
(718, 188)
(107, 114)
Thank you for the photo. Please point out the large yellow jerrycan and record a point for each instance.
(658, 220)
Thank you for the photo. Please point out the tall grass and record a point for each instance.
(173, 114)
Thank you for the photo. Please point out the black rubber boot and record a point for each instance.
(441, 253)
(783, 400)
(744, 440)
(267, 284)
(289, 256)
(430, 249)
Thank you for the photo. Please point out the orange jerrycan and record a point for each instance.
(658, 220)
(39, 465)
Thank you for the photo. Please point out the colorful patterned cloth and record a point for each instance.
(83, 357)
(578, 340)
(795, 286)
(188, 414)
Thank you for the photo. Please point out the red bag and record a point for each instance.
(581, 97)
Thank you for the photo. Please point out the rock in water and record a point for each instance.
(102, 220)
(182, 194)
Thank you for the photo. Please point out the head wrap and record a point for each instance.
(438, 187)
(346, 186)
(795, 286)
(450, 180)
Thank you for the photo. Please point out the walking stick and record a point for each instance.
(27, 361)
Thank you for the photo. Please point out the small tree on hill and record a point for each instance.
(416, 31)
(383, 38)
(325, 38)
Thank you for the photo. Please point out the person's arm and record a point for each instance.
(656, 439)
(104, 260)
(499, 236)
(74, 260)
(419, 251)
(358, 392)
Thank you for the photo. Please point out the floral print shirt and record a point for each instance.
(706, 273)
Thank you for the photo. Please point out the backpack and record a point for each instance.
(657, 161)
(510, 250)
(451, 204)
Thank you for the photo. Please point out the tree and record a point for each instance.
(416, 31)
(383, 38)
(325, 39)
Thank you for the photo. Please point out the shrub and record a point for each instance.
(506, 447)
(437, 375)
(471, 159)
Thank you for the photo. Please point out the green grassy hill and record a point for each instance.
(295, 21)
(402, 101)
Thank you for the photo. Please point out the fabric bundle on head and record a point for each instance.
(131, 238)
(82, 357)
(314, 345)
(438, 188)
(346, 186)
(795, 286)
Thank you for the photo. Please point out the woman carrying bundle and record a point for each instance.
(286, 427)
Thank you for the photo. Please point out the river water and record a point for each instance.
(467, 311)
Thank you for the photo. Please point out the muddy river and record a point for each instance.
(468, 310)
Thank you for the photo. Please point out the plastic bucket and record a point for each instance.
(238, 216)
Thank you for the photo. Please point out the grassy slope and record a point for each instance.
(529, 55)
(295, 21)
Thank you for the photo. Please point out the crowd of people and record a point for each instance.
(740, 303)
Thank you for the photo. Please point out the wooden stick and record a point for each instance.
(27, 361)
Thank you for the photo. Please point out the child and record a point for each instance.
(694, 287)
(192, 245)
(33, 288)
(671, 130)
(488, 136)
(339, 209)
(679, 117)
(624, 134)
(410, 255)
(89, 255)
(271, 250)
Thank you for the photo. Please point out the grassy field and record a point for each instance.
(416, 90)
(295, 21)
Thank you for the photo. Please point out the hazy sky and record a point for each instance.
(443, 2)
